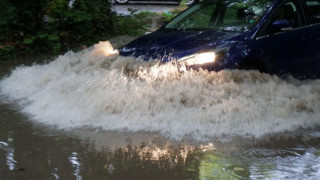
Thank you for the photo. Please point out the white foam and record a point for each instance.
(98, 89)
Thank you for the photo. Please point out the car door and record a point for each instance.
(312, 41)
(283, 51)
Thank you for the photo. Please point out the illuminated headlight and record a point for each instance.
(198, 59)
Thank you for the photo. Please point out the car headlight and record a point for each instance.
(198, 59)
(204, 57)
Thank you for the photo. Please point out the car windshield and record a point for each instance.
(226, 15)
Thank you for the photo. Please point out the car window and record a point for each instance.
(235, 15)
(313, 11)
(287, 13)
(237, 18)
(197, 20)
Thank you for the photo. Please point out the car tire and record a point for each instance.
(121, 1)
(190, 2)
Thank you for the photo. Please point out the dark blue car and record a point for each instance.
(274, 36)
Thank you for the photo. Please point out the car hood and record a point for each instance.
(172, 44)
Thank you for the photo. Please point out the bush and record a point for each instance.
(52, 25)
(83, 22)
(134, 24)
(7, 52)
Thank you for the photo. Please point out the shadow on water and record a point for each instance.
(42, 150)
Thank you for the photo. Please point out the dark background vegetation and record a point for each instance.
(54, 26)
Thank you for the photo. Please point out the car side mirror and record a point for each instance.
(282, 24)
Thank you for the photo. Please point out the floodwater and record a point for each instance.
(95, 115)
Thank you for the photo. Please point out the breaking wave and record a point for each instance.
(97, 88)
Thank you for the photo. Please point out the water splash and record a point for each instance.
(97, 88)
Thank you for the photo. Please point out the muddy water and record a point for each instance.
(95, 115)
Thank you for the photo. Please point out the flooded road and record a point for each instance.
(95, 115)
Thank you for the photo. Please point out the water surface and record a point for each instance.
(95, 115)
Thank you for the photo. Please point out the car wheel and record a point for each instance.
(190, 2)
(122, 1)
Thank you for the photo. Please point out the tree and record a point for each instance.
(52, 25)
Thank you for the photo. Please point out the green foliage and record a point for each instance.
(7, 52)
(168, 15)
(134, 24)
(7, 15)
(46, 26)
(52, 25)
